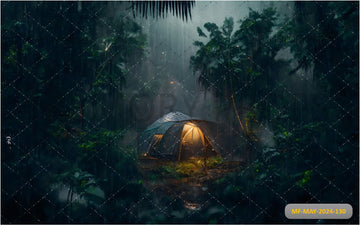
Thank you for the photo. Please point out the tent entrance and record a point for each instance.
(194, 143)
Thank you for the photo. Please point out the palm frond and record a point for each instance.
(157, 9)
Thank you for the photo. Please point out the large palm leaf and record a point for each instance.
(158, 9)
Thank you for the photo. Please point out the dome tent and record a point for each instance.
(176, 136)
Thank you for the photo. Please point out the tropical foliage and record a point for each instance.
(243, 65)
(55, 68)
(65, 64)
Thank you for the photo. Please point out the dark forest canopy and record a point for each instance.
(286, 86)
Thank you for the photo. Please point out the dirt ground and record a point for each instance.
(191, 187)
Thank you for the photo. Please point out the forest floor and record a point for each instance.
(187, 180)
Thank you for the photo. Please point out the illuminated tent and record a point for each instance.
(176, 136)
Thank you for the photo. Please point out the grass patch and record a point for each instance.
(194, 167)
(214, 162)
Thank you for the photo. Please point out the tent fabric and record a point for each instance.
(160, 126)
(155, 143)
(194, 143)
(170, 117)
(170, 143)
(181, 138)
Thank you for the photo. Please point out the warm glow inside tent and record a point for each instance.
(193, 142)
(182, 141)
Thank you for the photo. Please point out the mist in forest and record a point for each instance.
(137, 112)
(164, 81)
(167, 66)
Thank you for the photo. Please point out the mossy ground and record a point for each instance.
(193, 171)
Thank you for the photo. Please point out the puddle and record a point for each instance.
(192, 206)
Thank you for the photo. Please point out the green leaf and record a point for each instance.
(95, 191)
(200, 32)
(37, 95)
(211, 27)
(228, 26)
(198, 44)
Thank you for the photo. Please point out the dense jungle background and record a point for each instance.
(80, 81)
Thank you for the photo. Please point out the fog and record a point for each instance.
(166, 64)
(162, 80)
(86, 85)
